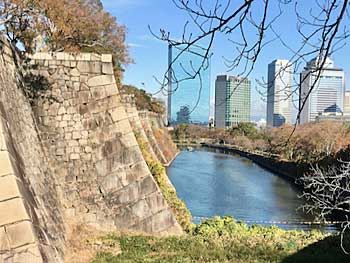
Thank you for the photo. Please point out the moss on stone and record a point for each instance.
(181, 212)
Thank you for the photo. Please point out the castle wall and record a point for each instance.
(93, 152)
(32, 227)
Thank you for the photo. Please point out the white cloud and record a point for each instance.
(135, 45)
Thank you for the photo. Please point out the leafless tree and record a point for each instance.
(327, 192)
(251, 25)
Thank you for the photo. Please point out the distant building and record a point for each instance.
(323, 117)
(183, 115)
(261, 124)
(211, 123)
(188, 99)
(347, 103)
(327, 94)
(279, 94)
(232, 101)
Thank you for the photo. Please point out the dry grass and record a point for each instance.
(85, 241)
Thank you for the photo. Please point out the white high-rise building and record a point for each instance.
(328, 91)
(279, 94)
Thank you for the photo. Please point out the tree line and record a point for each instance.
(310, 143)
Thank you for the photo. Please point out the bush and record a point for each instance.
(218, 240)
(143, 100)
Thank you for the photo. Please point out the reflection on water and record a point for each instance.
(215, 184)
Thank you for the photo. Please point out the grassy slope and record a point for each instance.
(225, 240)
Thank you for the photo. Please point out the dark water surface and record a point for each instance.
(216, 184)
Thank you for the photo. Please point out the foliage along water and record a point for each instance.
(216, 184)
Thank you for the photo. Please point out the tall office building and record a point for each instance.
(188, 98)
(327, 94)
(232, 101)
(347, 103)
(279, 94)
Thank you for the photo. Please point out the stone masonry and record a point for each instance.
(135, 122)
(17, 238)
(103, 178)
(31, 218)
(145, 124)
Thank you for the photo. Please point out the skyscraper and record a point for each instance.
(232, 101)
(327, 94)
(279, 95)
(188, 97)
(347, 103)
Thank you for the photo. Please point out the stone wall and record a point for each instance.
(150, 127)
(92, 149)
(133, 114)
(286, 169)
(161, 136)
(31, 218)
(69, 158)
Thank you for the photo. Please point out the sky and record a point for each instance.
(151, 57)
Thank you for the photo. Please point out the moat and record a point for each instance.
(216, 184)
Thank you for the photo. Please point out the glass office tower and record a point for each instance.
(188, 97)
(327, 94)
(232, 101)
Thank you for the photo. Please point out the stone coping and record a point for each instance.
(105, 58)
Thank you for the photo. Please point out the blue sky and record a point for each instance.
(150, 55)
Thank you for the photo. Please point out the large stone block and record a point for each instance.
(156, 200)
(12, 211)
(3, 145)
(5, 164)
(118, 114)
(4, 241)
(101, 80)
(148, 185)
(98, 93)
(8, 187)
(74, 72)
(128, 194)
(64, 56)
(83, 57)
(41, 56)
(111, 90)
(20, 234)
(141, 209)
(158, 223)
(27, 254)
(107, 68)
(95, 57)
(107, 58)
(129, 140)
(89, 67)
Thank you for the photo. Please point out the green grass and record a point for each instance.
(225, 240)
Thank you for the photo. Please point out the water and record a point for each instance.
(216, 184)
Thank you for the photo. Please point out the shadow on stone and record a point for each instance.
(327, 250)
